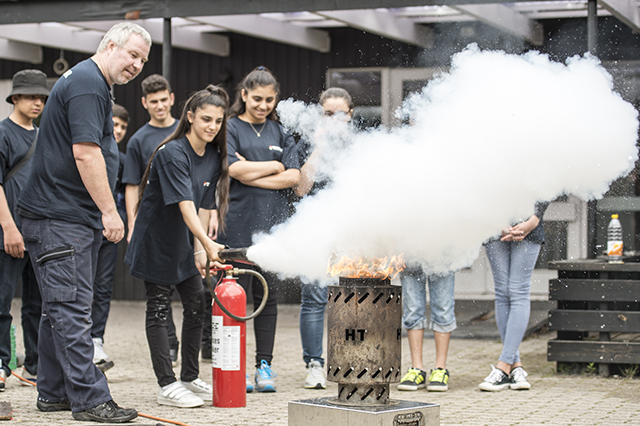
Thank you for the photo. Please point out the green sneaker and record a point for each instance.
(438, 380)
(413, 380)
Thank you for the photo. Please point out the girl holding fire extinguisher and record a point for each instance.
(263, 165)
(187, 174)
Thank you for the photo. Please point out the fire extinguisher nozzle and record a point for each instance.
(233, 254)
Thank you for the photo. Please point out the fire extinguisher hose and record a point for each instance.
(236, 271)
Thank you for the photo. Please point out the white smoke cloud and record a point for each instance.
(489, 138)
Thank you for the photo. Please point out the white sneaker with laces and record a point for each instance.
(519, 379)
(98, 351)
(316, 376)
(177, 395)
(496, 381)
(200, 388)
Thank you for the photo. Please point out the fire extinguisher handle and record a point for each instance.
(265, 290)
(236, 271)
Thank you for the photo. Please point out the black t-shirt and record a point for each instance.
(15, 142)
(78, 110)
(119, 188)
(161, 248)
(140, 148)
(252, 209)
(118, 193)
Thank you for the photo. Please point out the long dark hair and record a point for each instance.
(259, 77)
(211, 95)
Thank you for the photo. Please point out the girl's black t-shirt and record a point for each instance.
(251, 209)
(161, 248)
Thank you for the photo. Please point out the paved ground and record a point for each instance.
(553, 400)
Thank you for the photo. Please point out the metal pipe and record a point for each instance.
(592, 27)
(166, 49)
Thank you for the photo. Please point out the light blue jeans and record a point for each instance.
(414, 300)
(312, 307)
(512, 265)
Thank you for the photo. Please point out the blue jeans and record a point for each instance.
(441, 300)
(64, 256)
(512, 265)
(312, 307)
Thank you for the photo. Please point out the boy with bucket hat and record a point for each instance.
(17, 138)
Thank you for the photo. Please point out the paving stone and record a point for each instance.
(553, 400)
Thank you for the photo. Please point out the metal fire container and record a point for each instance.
(364, 339)
(364, 357)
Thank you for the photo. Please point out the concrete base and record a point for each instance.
(322, 412)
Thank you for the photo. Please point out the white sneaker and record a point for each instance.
(316, 376)
(519, 379)
(177, 395)
(496, 381)
(98, 351)
(28, 376)
(201, 389)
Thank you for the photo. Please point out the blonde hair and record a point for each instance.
(119, 34)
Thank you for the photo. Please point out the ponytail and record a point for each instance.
(211, 95)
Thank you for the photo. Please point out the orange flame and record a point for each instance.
(367, 268)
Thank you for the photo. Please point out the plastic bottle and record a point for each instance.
(614, 240)
(13, 362)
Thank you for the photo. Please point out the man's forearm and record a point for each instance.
(93, 172)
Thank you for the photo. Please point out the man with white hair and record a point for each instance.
(66, 207)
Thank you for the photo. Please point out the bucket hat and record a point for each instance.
(28, 82)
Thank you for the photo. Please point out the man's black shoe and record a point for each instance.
(48, 406)
(107, 412)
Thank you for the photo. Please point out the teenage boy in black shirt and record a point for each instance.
(17, 135)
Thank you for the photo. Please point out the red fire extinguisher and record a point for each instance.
(229, 337)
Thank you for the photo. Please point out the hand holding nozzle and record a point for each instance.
(210, 253)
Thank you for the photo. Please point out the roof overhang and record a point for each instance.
(202, 25)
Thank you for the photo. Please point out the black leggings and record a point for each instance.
(193, 314)
(264, 325)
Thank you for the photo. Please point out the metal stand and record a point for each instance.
(322, 412)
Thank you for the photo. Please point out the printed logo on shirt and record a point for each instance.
(67, 74)
(206, 184)
(275, 148)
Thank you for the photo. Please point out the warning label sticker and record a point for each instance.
(225, 345)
